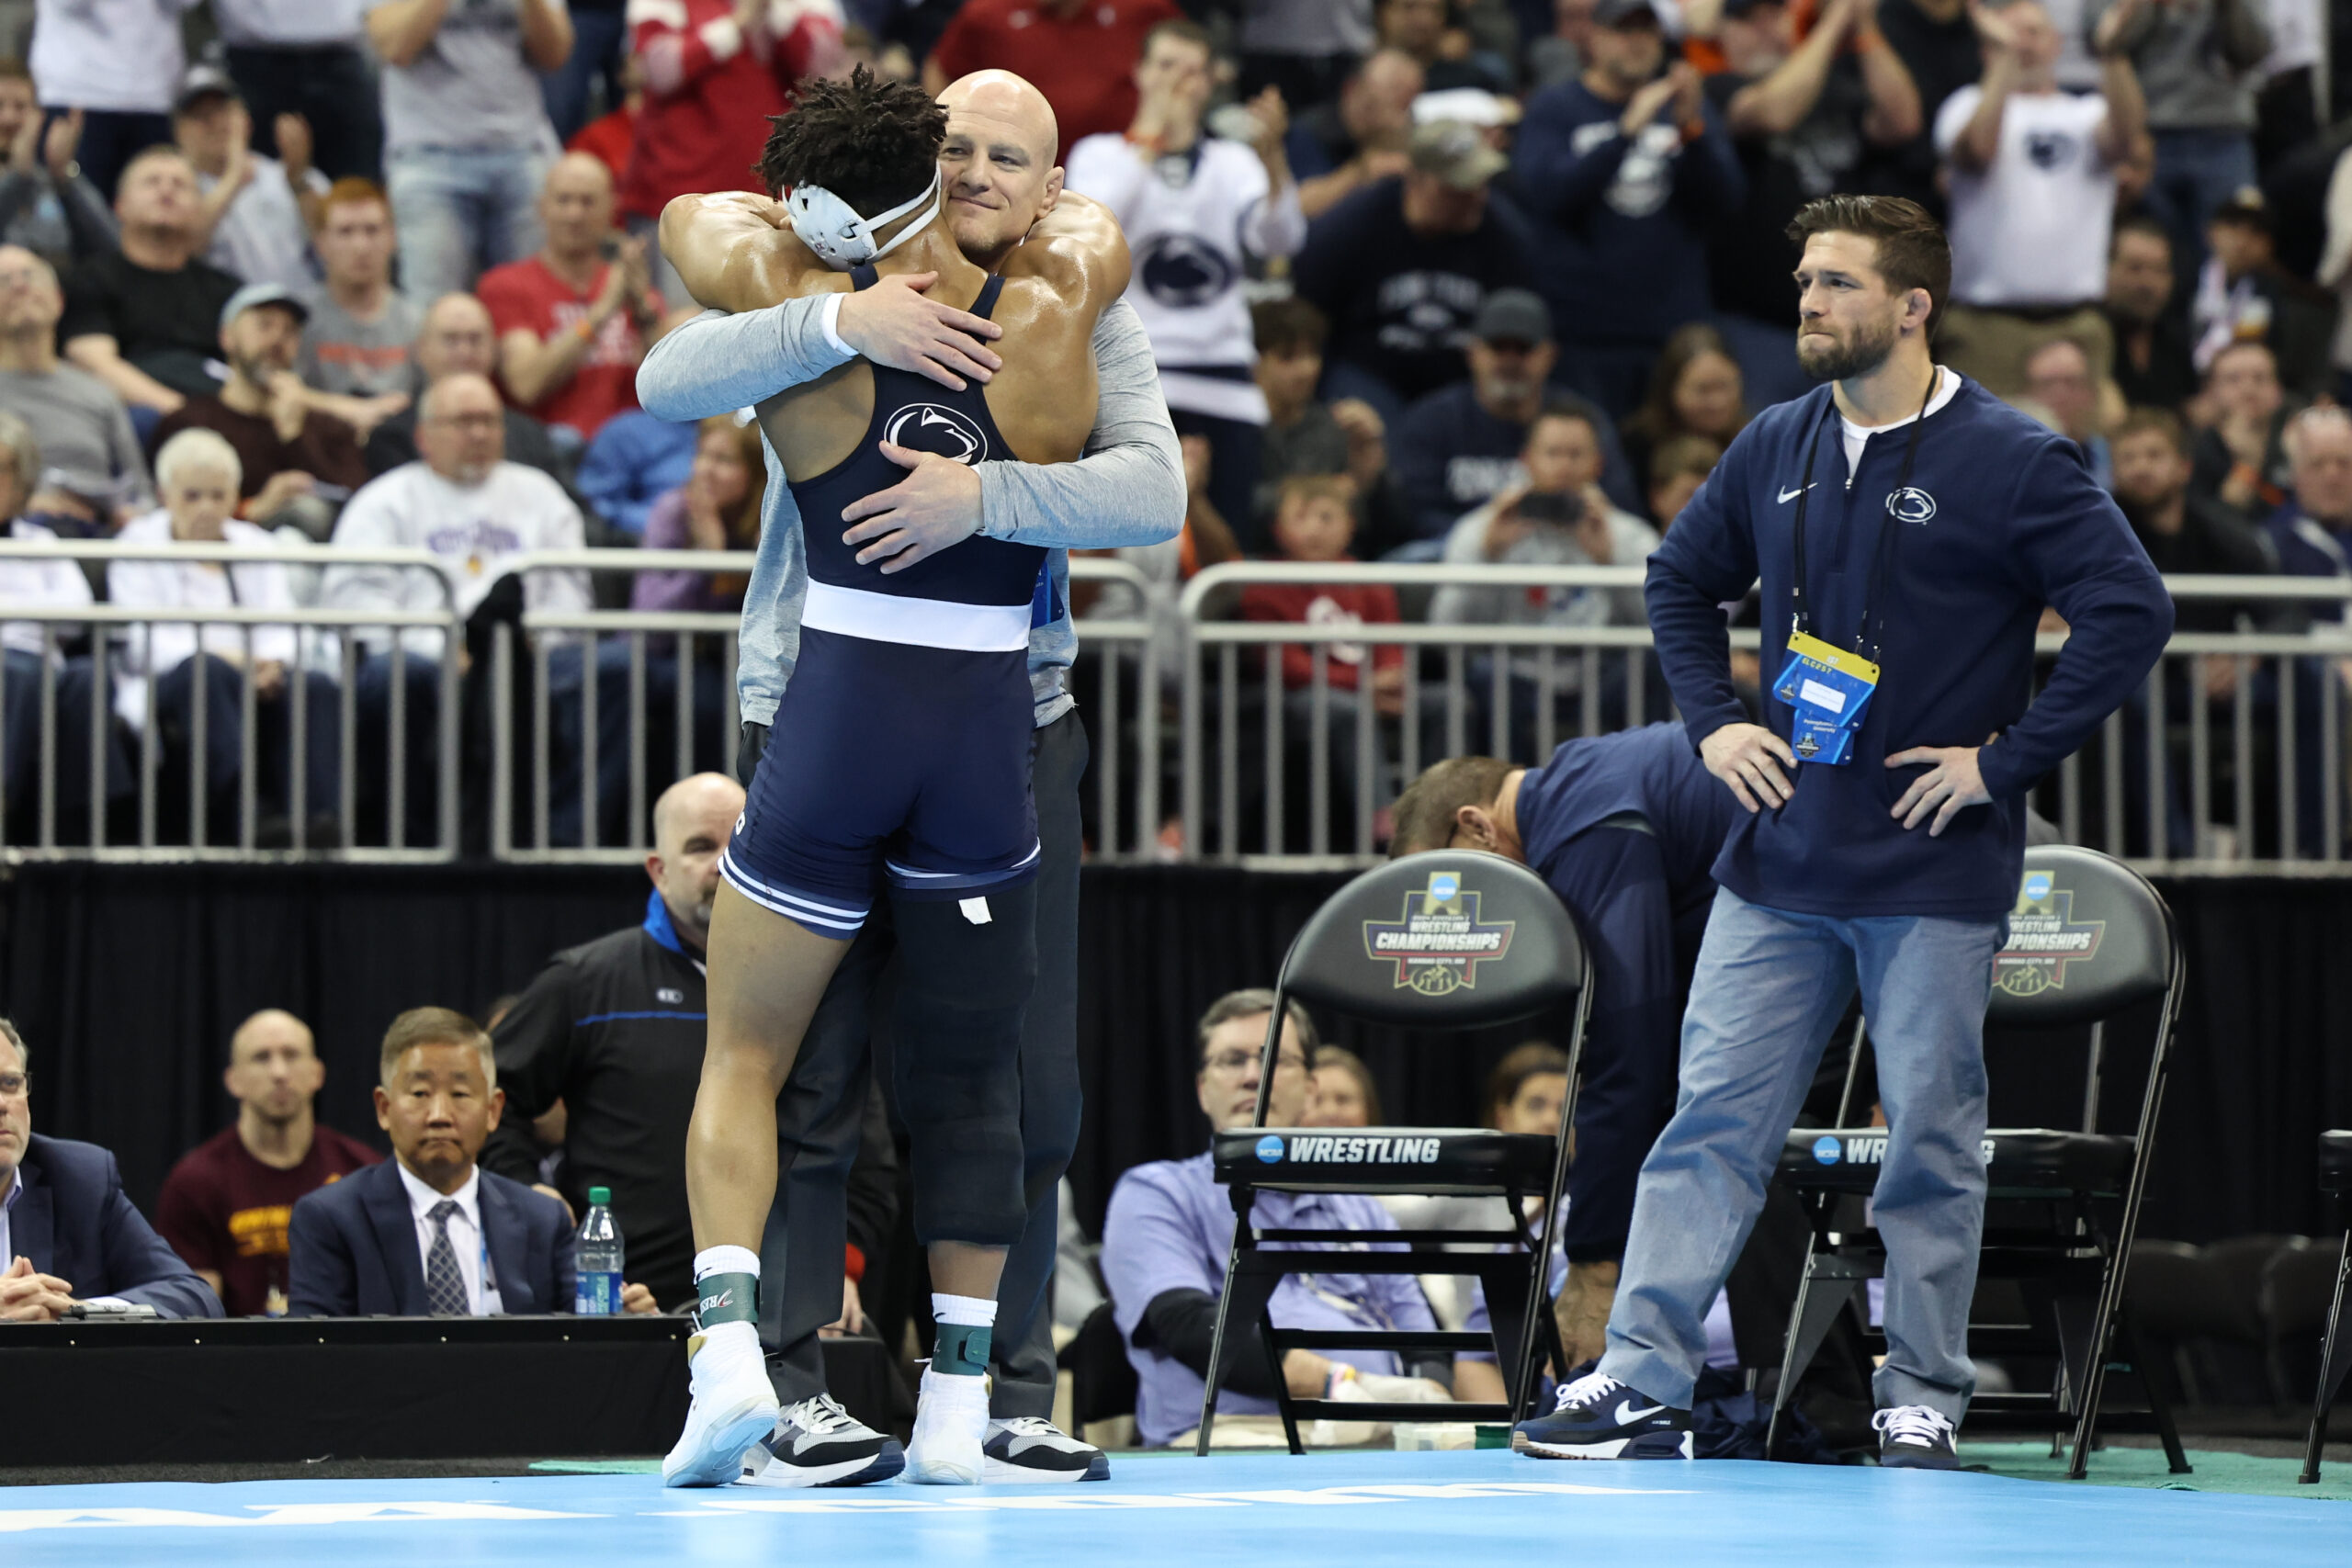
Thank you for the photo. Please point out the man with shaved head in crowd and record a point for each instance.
(1002, 188)
(224, 1208)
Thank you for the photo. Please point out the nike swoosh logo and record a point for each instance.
(1627, 1415)
(1789, 495)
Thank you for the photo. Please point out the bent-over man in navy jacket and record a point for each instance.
(1909, 529)
(67, 1234)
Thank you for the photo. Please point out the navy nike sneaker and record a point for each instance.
(1599, 1417)
(1913, 1436)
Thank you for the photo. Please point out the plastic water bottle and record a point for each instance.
(598, 1289)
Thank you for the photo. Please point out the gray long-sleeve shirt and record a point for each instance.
(1127, 489)
(2196, 60)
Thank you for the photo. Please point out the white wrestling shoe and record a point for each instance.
(951, 1422)
(734, 1406)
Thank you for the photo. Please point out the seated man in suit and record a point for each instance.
(426, 1232)
(67, 1232)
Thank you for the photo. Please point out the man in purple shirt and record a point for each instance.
(1170, 1227)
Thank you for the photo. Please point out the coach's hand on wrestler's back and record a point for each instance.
(1750, 758)
(936, 505)
(898, 324)
(1951, 784)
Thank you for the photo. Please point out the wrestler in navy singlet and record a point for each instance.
(905, 731)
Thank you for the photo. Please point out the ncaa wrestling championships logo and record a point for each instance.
(1438, 942)
(2044, 937)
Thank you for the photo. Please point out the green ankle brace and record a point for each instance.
(726, 1298)
(962, 1350)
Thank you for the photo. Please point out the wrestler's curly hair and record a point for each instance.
(870, 141)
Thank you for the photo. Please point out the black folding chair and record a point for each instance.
(2089, 938)
(1445, 939)
(2335, 1357)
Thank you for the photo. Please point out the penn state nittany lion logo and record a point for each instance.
(1180, 271)
(928, 427)
(1911, 504)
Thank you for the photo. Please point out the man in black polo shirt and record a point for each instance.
(146, 320)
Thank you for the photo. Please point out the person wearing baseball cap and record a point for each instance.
(1400, 269)
(1632, 160)
(288, 450)
(258, 211)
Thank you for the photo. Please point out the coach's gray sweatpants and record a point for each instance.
(1771, 987)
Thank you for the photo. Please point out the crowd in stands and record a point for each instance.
(1427, 280)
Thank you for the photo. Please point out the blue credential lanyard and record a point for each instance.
(1828, 688)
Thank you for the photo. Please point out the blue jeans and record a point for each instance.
(600, 42)
(2196, 171)
(1770, 985)
(462, 211)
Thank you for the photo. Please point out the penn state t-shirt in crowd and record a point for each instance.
(2032, 228)
(1400, 303)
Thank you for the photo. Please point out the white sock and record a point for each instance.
(725, 1260)
(964, 1311)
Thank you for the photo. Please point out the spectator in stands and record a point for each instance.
(1081, 53)
(82, 427)
(2312, 537)
(46, 204)
(1340, 1092)
(118, 62)
(428, 1232)
(2197, 62)
(1315, 524)
(466, 135)
(2243, 293)
(197, 470)
(1169, 1228)
(1423, 31)
(309, 60)
(458, 339)
(611, 136)
(70, 1235)
(2058, 377)
(714, 71)
(288, 452)
(1635, 167)
(572, 324)
(613, 1032)
(145, 318)
(2334, 270)
(1678, 467)
(2182, 531)
(600, 48)
(1460, 444)
(463, 500)
(2032, 171)
(2152, 367)
(1336, 149)
(1809, 115)
(1400, 269)
(1695, 390)
(634, 461)
(226, 1204)
(258, 210)
(1938, 45)
(360, 341)
(24, 651)
(2242, 458)
(1305, 49)
(1306, 435)
(1198, 210)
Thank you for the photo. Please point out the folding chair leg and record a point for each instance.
(2159, 1403)
(1245, 1297)
(2090, 1353)
(2334, 1361)
(1281, 1383)
(1839, 1280)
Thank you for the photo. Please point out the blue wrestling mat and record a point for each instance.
(1362, 1510)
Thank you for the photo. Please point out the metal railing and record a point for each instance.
(2232, 755)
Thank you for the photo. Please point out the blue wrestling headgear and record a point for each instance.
(842, 239)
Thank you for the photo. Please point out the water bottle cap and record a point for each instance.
(600, 1194)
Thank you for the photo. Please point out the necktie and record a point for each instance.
(445, 1286)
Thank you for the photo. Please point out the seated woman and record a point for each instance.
(198, 474)
(27, 648)
(717, 508)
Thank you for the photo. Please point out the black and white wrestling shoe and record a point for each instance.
(816, 1443)
(1599, 1417)
(1913, 1436)
(1030, 1448)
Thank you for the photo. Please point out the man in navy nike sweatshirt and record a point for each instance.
(1937, 524)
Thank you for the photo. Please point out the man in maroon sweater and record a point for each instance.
(225, 1206)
